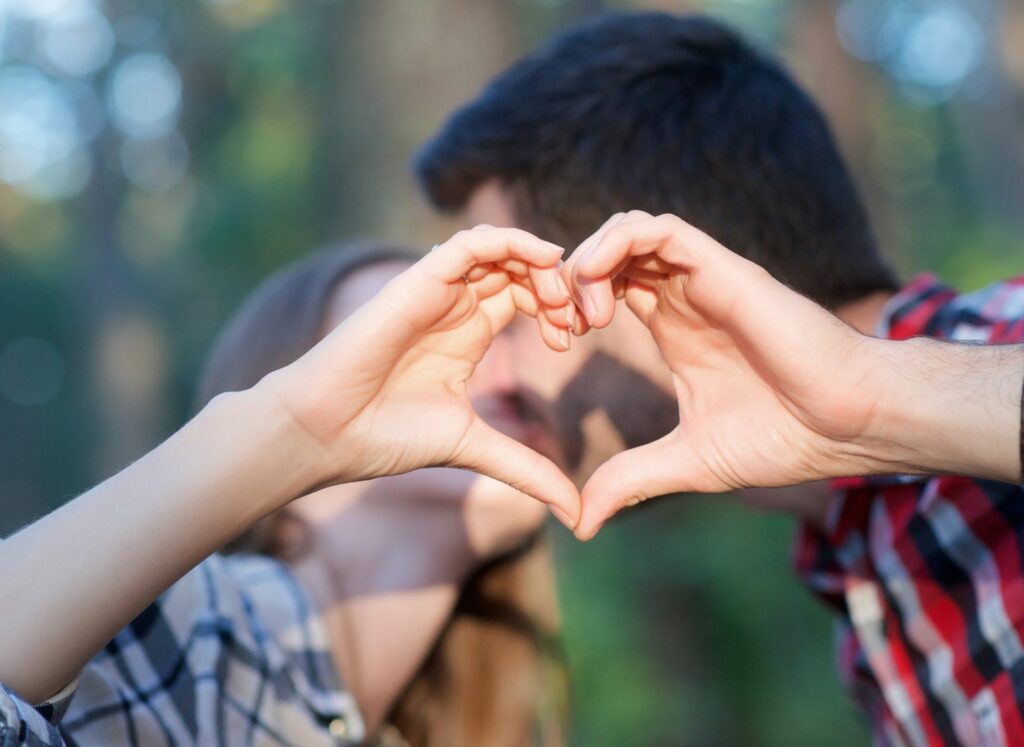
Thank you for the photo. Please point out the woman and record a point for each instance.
(119, 625)
(464, 649)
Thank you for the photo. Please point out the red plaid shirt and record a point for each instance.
(927, 575)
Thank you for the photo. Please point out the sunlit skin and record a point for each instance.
(384, 393)
(630, 342)
(385, 558)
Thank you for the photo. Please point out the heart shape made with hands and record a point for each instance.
(768, 391)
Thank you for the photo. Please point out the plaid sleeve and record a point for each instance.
(929, 567)
(234, 653)
(23, 724)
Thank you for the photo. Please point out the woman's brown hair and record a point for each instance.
(496, 675)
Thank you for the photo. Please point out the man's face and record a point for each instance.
(611, 391)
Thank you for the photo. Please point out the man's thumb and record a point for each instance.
(628, 478)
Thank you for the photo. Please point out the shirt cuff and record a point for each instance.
(22, 723)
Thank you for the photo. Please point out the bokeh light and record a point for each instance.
(931, 47)
(32, 229)
(144, 95)
(41, 150)
(67, 69)
(43, 9)
(243, 14)
(942, 46)
(133, 358)
(151, 224)
(79, 41)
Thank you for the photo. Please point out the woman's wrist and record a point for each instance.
(264, 448)
(947, 408)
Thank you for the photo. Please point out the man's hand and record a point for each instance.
(772, 389)
(385, 392)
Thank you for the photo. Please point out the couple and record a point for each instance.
(670, 115)
(677, 115)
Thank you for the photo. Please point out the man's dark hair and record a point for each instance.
(668, 114)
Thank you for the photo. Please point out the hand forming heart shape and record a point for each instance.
(385, 392)
(755, 410)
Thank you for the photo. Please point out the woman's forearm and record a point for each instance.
(77, 576)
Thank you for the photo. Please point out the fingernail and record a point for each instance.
(589, 309)
(563, 517)
(563, 287)
(563, 337)
(570, 315)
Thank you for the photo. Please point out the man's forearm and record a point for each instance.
(77, 576)
(950, 408)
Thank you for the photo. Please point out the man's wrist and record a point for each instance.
(948, 408)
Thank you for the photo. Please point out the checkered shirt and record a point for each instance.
(927, 574)
(232, 654)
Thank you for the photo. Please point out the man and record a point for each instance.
(668, 115)
(678, 115)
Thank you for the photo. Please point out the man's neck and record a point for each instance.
(865, 313)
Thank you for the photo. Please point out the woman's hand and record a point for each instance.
(385, 392)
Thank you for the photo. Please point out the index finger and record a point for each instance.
(669, 238)
(666, 237)
(450, 261)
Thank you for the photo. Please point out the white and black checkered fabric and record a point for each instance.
(233, 654)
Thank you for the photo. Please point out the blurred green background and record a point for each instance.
(157, 159)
